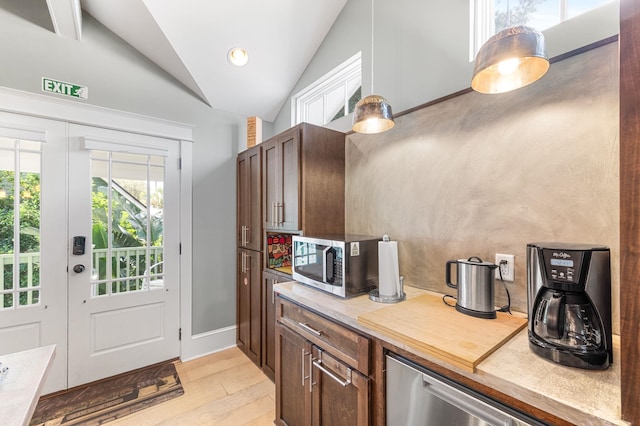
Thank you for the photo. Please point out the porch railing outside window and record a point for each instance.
(128, 263)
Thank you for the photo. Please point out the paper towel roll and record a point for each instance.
(388, 271)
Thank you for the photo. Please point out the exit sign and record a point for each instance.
(65, 89)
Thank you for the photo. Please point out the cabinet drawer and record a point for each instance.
(343, 343)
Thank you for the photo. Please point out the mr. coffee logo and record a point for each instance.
(561, 255)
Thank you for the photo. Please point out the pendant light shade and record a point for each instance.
(372, 115)
(513, 58)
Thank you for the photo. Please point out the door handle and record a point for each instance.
(273, 293)
(273, 214)
(304, 376)
(78, 269)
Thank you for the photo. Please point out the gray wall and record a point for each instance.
(119, 77)
(479, 174)
(421, 49)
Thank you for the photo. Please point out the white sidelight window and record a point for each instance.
(20, 166)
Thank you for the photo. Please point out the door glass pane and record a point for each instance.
(29, 224)
(20, 222)
(127, 222)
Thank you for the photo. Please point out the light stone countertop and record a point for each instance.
(582, 397)
(20, 389)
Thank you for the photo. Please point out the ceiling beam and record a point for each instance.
(66, 16)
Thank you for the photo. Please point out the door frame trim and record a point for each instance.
(68, 111)
(36, 105)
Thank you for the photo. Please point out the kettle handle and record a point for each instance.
(448, 274)
(477, 259)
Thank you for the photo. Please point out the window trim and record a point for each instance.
(339, 76)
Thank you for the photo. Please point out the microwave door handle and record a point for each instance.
(328, 263)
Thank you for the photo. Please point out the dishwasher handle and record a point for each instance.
(467, 403)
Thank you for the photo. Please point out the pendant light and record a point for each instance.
(372, 113)
(513, 58)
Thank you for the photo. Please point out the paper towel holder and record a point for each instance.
(375, 295)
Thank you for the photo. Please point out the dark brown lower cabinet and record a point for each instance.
(293, 396)
(340, 394)
(249, 297)
(269, 279)
(314, 383)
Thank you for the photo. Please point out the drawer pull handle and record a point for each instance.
(309, 329)
(329, 373)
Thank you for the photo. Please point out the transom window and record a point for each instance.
(492, 16)
(332, 96)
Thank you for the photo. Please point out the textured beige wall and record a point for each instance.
(483, 174)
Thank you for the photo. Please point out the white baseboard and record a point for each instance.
(208, 343)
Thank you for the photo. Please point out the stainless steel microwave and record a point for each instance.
(344, 265)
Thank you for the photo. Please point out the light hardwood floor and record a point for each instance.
(221, 389)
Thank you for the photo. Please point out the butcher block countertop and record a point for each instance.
(461, 340)
(579, 396)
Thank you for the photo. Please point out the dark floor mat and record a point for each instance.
(110, 399)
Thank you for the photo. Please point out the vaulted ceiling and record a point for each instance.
(190, 40)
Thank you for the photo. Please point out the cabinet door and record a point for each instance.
(242, 185)
(340, 394)
(243, 309)
(253, 232)
(269, 324)
(249, 307)
(293, 375)
(289, 207)
(270, 185)
(249, 199)
(253, 262)
(281, 180)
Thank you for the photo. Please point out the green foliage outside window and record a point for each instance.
(517, 12)
(128, 229)
(29, 231)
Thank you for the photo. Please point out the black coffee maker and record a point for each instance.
(569, 302)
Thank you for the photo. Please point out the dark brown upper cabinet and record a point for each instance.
(303, 174)
(249, 199)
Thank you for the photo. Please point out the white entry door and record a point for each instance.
(33, 236)
(124, 257)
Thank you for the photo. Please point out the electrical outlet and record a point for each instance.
(508, 270)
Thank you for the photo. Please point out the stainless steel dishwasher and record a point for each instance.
(419, 397)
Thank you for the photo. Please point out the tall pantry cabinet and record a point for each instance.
(292, 183)
(249, 243)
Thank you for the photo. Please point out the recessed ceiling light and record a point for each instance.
(238, 56)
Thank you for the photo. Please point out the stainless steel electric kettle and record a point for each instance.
(475, 286)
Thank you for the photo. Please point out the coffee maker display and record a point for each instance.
(569, 303)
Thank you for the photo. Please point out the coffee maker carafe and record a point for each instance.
(569, 303)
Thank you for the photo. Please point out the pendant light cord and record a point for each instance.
(372, 31)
